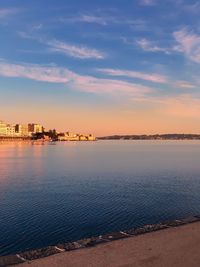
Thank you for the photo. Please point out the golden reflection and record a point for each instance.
(17, 158)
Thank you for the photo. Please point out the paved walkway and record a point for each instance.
(174, 247)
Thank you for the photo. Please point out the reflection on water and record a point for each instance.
(56, 193)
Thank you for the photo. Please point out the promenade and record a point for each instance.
(170, 247)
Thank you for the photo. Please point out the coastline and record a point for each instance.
(111, 243)
(29, 140)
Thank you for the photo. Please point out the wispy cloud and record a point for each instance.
(94, 19)
(147, 2)
(90, 84)
(179, 105)
(153, 77)
(188, 43)
(109, 86)
(150, 46)
(5, 12)
(68, 49)
(184, 106)
(106, 19)
(184, 85)
(81, 52)
(35, 72)
(90, 18)
(191, 8)
(37, 27)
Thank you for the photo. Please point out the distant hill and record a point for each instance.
(153, 137)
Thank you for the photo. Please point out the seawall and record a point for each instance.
(93, 241)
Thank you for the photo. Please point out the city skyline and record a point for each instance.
(35, 131)
(105, 67)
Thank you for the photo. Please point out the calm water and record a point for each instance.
(63, 192)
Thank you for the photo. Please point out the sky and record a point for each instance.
(101, 66)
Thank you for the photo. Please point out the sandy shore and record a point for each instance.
(178, 247)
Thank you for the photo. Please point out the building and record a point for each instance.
(83, 138)
(68, 137)
(22, 130)
(91, 137)
(10, 130)
(3, 128)
(35, 128)
(75, 137)
(19, 130)
(7, 129)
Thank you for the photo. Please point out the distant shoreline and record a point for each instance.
(142, 137)
(152, 137)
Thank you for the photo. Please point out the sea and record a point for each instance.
(65, 191)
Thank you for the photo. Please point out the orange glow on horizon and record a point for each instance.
(148, 117)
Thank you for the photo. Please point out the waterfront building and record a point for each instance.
(3, 129)
(83, 138)
(7, 129)
(75, 137)
(10, 130)
(68, 137)
(35, 128)
(22, 129)
(36, 131)
(91, 137)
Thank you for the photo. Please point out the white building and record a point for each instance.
(7, 129)
(3, 128)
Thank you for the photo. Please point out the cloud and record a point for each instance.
(76, 51)
(35, 72)
(147, 2)
(106, 19)
(109, 86)
(88, 18)
(184, 106)
(188, 44)
(191, 8)
(150, 46)
(25, 35)
(68, 49)
(5, 12)
(90, 84)
(81, 52)
(181, 105)
(94, 19)
(37, 27)
(153, 77)
(184, 85)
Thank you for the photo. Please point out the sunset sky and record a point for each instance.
(101, 66)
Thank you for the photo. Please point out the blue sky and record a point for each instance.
(102, 66)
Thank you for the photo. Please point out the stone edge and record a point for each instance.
(90, 242)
